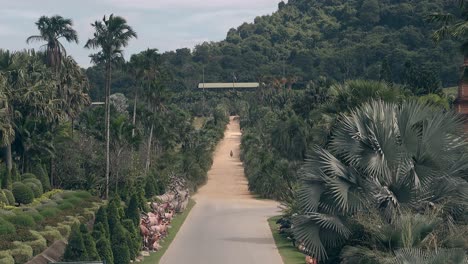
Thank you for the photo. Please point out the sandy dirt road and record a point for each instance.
(227, 225)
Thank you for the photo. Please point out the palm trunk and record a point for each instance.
(134, 113)
(108, 84)
(148, 153)
(9, 158)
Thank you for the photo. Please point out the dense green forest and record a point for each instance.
(305, 40)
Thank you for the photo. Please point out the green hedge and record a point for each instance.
(9, 196)
(38, 245)
(22, 219)
(23, 194)
(6, 227)
(6, 258)
(51, 235)
(49, 211)
(28, 176)
(22, 252)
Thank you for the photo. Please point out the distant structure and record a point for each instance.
(226, 86)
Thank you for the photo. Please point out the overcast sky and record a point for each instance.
(162, 24)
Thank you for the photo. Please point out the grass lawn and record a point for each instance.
(289, 254)
(155, 257)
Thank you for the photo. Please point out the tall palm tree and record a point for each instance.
(111, 35)
(51, 30)
(386, 157)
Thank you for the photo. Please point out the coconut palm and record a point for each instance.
(111, 35)
(51, 30)
(383, 156)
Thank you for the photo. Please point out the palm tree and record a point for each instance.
(143, 67)
(386, 157)
(111, 35)
(51, 30)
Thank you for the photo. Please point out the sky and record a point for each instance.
(162, 24)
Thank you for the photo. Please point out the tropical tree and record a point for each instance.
(386, 157)
(51, 30)
(111, 35)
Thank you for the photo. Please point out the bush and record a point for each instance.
(38, 245)
(6, 258)
(36, 216)
(28, 176)
(64, 229)
(134, 238)
(104, 250)
(42, 175)
(22, 219)
(120, 246)
(75, 250)
(83, 194)
(22, 252)
(6, 227)
(3, 199)
(4, 213)
(22, 193)
(65, 205)
(35, 185)
(73, 200)
(89, 243)
(49, 211)
(37, 191)
(51, 235)
(9, 196)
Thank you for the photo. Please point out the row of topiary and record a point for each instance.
(26, 231)
(23, 191)
(115, 235)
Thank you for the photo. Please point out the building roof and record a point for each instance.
(228, 85)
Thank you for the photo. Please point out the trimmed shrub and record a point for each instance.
(113, 215)
(3, 199)
(22, 193)
(6, 227)
(132, 211)
(22, 219)
(35, 189)
(134, 239)
(22, 252)
(38, 245)
(75, 250)
(36, 216)
(120, 247)
(82, 194)
(65, 205)
(4, 213)
(51, 235)
(89, 243)
(101, 217)
(28, 176)
(9, 195)
(73, 200)
(49, 211)
(42, 175)
(104, 250)
(64, 229)
(6, 258)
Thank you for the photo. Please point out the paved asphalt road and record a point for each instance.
(227, 225)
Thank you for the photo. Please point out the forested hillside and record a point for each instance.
(340, 39)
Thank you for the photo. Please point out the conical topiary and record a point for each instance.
(89, 243)
(132, 211)
(120, 247)
(75, 250)
(113, 214)
(134, 238)
(104, 250)
(101, 218)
